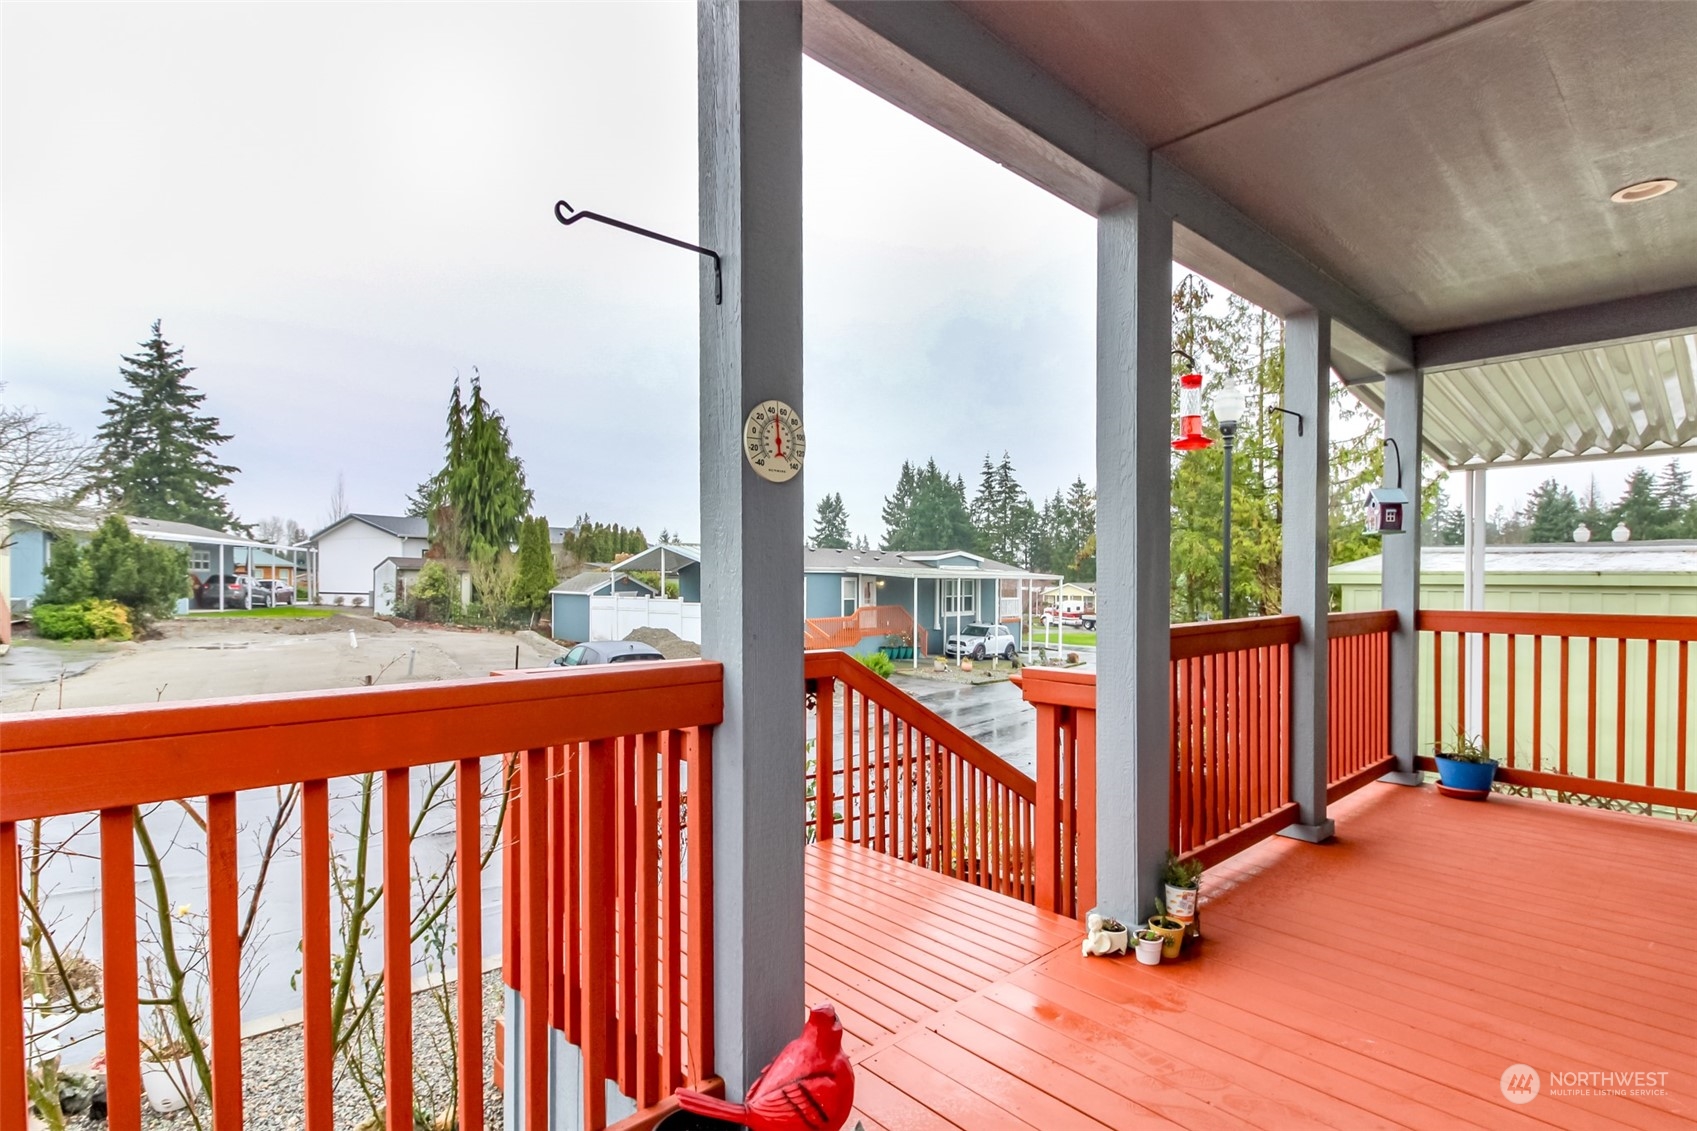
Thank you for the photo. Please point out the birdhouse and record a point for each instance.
(1387, 508)
(1190, 437)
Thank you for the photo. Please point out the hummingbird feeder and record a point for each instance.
(1190, 437)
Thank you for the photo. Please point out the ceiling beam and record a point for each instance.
(943, 67)
(1603, 323)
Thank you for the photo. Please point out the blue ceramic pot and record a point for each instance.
(1475, 776)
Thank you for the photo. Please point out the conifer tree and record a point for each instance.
(830, 524)
(156, 458)
(1552, 513)
(536, 576)
(898, 504)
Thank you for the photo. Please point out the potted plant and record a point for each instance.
(1170, 930)
(1105, 936)
(168, 1076)
(1465, 769)
(1183, 880)
(1149, 944)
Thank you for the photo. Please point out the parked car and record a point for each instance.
(981, 640)
(282, 593)
(608, 652)
(239, 592)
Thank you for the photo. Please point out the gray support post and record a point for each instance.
(1308, 351)
(749, 78)
(1134, 388)
(1400, 581)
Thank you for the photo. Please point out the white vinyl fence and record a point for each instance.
(612, 618)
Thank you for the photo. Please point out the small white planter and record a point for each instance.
(1149, 951)
(166, 1083)
(1100, 942)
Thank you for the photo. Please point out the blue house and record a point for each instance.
(855, 599)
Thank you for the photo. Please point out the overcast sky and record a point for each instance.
(335, 207)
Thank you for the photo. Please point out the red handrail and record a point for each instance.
(910, 784)
(1591, 704)
(617, 739)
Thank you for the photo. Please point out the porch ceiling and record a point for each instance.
(1619, 399)
(1450, 162)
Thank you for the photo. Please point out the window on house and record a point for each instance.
(850, 596)
(960, 597)
(200, 559)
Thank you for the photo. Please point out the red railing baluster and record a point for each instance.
(316, 956)
(224, 955)
(671, 1049)
(397, 950)
(119, 976)
(14, 1094)
(468, 932)
(701, 904)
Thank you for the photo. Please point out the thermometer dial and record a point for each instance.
(774, 441)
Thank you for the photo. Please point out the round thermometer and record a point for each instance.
(774, 441)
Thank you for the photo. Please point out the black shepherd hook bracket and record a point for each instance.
(1390, 442)
(1289, 412)
(568, 216)
(1190, 361)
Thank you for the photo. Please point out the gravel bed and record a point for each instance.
(272, 1071)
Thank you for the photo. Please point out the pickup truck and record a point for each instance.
(981, 640)
(1065, 617)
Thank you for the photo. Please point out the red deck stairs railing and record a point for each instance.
(822, 633)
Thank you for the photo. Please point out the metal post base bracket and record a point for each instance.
(1311, 834)
(1397, 777)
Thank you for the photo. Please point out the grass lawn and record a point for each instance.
(1068, 637)
(280, 611)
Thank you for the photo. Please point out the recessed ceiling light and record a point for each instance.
(1644, 190)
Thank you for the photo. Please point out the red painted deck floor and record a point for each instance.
(1385, 980)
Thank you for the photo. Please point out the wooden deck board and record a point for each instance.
(1384, 980)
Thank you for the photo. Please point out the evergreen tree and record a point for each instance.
(156, 457)
(1447, 525)
(898, 504)
(1673, 491)
(1638, 507)
(937, 517)
(536, 574)
(1593, 512)
(486, 483)
(830, 524)
(1005, 521)
(1552, 513)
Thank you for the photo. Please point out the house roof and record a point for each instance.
(400, 525)
(84, 520)
(1566, 558)
(404, 563)
(664, 558)
(1083, 588)
(593, 581)
(911, 563)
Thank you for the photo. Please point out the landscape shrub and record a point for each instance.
(93, 619)
(359, 602)
(879, 663)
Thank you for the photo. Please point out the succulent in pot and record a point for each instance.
(1170, 930)
(1183, 882)
(1149, 944)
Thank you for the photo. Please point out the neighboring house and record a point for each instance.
(1630, 578)
(393, 578)
(351, 548)
(210, 552)
(1071, 594)
(571, 599)
(856, 598)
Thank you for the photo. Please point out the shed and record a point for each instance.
(569, 600)
(394, 576)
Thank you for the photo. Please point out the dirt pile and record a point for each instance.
(670, 644)
(336, 622)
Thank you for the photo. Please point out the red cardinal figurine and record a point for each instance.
(809, 1087)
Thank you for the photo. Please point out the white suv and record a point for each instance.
(982, 640)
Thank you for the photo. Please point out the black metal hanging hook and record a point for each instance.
(568, 216)
(1190, 361)
(1390, 442)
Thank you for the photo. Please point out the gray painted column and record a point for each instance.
(1134, 388)
(1308, 351)
(1400, 582)
(752, 603)
(1473, 599)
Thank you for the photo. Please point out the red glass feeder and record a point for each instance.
(1190, 437)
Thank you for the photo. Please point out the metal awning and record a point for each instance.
(1633, 398)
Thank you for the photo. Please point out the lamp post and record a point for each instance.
(1228, 409)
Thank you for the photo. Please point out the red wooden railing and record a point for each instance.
(1230, 769)
(899, 779)
(1358, 722)
(822, 633)
(619, 739)
(1582, 703)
